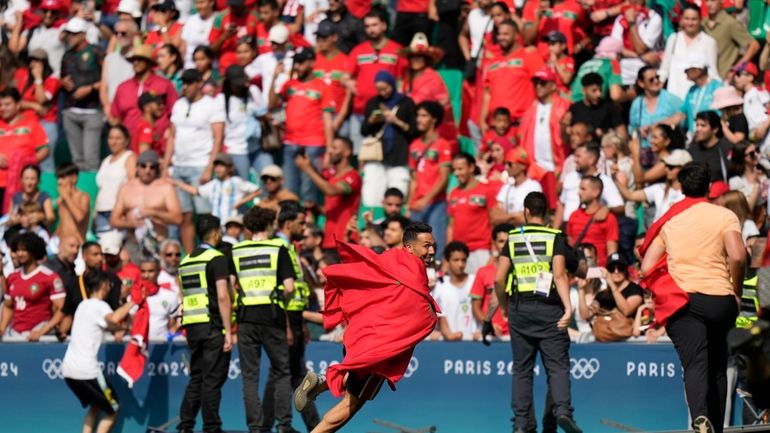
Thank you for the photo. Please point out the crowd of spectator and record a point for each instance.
(356, 110)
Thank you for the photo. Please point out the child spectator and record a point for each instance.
(453, 294)
(501, 128)
(145, 136)
(73, 204)
(483, 290)
(560, 61)
(31, 215)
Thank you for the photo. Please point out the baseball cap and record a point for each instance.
(51, 5)
(677, 157)
(517, 155)
(616, 259)
(148, 157)
(224, 158)
(303, 54)
(147, 98)
(555, 36)
(235, 219)
(111, 242)
(278, 34)
(165, 6)
(749, 67)
(75, 25)
(545, 74)
(326, 28)
(191, 76)
(130, 7)
(272, 171)
(717, 189)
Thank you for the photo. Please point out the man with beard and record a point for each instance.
(341, 185)
(63, 263)
(394, 227)
(584, 227)
(170, 256)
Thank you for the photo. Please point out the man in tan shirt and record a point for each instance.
(706, 259)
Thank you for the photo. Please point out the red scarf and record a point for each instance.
(134, 358)
(642, 14)
(667, 295)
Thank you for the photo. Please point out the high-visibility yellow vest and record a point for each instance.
(525, 270)
(194, 286)
(749, 304)
(301, 296)
(256, 264)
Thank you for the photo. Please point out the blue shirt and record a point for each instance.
(667, 106)
(698, 99)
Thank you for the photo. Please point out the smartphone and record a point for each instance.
(594, 272)
(301, 151)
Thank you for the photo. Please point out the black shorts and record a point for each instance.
(365, 388)
(95, 392)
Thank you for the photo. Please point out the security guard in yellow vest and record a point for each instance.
(265, 286)
(206, 308)
(532, 286)
(749, 312)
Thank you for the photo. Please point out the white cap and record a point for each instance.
(279, 34)
(111, 242)
(76, 25)
(271, 170)
(677, 157)
(696, 60)
(131, 7)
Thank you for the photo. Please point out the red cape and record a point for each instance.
(131, 366)
(385, 301)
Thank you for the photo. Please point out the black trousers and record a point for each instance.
(208, 372)
(699, 332)
(533, 330)
(409, 23)
(446, 38)
(251, 339)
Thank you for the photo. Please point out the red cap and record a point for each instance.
(749, 67)
(717, 189)
(517, 155)
(545, 74)
(51, 5)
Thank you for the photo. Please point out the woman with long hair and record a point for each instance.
(10, 68)
(663, 140)
(167, 29)
(116, 169)
(746, 174)
(204, 56)
(30, 192)
(171, 63)
(243, 104)
(653, 106)
(736, 202)
(39, 95)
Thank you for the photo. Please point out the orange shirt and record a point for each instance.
(694, 241)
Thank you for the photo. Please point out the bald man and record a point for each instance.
(63, 264)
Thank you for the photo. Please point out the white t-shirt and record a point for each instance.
(168, 282)
(237, 121)
(755, 103)
(478, 26)
(223, 194)
(571, 200)
(194, 139)
(455, 303)
(512, 196)
(88, 326)
(162, 306)
(264, 66)
(662, 199)
(749, 230)
(47, 38)
(195, 33)
(543, 149)
(650, 29)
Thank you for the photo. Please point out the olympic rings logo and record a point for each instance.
(583, 368)
(414, 364)
(52, 368)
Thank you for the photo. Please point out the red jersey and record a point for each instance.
(144, 132)
(129, 275)
(491, 136)
(483, 289)
(51, 87)
(125, 104)
(509, 80)
(31, 296)
(469, 210)
(20, 139)
(155, 37)
(598, 234)
(366, 62)
(565, 64)
(246, 25)
(359, 8)
(331, 71)
(426, 162)
(340, 208)
(412, 6)
(564, 17)
(306, 102)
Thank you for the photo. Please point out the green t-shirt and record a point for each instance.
(609, 69)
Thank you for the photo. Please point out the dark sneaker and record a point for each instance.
(568, 424)
(702, 425)
(307, 391)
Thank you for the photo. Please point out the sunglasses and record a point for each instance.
(173, 254)
(148, 165)
(671, 167)
(539, 82)
(122, 34)
(269, 179)
(752, 154)
(615, 268)
(654, 79)
(50, 11)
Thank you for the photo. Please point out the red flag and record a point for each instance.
(385, 301)
(667, 295)
(131, 366)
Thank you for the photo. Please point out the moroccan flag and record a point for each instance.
(386, 303)
(131, 366)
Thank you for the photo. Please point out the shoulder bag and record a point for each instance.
(371, 146)
(612, 325)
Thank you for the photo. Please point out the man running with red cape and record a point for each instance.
(386, 303)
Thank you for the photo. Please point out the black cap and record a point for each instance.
(326, 28)
(164, 5)
(555, 36)
(147, 98)
(304, 54)
(191, 76)
(616, 259)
